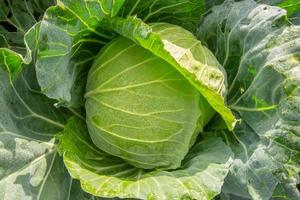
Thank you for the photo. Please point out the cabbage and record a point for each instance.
(139, 107)
(156, 99)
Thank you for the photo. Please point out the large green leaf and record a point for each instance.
(260, 52)
(185, 13)
(14, 60)
(200, 177)
(69, 38)
(30, 166)
(291, 6)
(16, 18)
(185, 53)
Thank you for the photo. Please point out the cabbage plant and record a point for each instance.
(156, 99)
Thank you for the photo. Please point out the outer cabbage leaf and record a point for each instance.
(291, 6)
(30, 167)
(255, 174)
(15, 60)
(185, 13)
(69, 38)
(210, 3)
(287, 190)
(16, 18)
(185, 53)
(200, 177)
(260, 52)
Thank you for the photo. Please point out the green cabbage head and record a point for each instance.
(140, 108)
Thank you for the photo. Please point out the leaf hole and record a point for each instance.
(9, 15)
(6, 2)
(36, 15)
(223, 25)
(8, 26)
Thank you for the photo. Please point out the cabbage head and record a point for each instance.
(140, 108)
